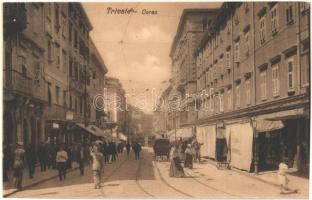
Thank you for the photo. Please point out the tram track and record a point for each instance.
(110, 175)
(199, 182)
(169, 185)
(137, 178)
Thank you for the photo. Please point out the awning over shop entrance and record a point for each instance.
(82, 126)
(97, 131)
(266, 125)
(184, 133)
(282, 115)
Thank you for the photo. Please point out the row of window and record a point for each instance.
(219, 106)
(75, 104)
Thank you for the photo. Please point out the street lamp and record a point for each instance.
(255, 136)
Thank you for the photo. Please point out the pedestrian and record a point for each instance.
(113, 151)
(282, 177)
(128, 146)
(138, 150)
(18, 165)
(196, 148)
(106, 152)
(42, 156)
(31, 160)
(61, 160)
(97, 166)
(53, 155)
(182, 148)
(68, 149)
(188, 157)
(176, 169)
(6, 162)
(81, 158)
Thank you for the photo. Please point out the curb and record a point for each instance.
(247, 174)
(36, 183)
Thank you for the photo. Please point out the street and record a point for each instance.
(148, 178)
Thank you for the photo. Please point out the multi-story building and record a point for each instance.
(191, 27)
(25, 88)
(115, 105)
(48, 71)
(161, 122)
(253, 71)
(79, 27)
(96, 87)
(56, 68)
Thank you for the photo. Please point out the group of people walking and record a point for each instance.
(49, 156)
(183, 152)
(103, 153)
(60, 157)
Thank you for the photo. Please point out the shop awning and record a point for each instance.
(184, 133)
(82, 126)
(282, 115)
(97, 131)
(122, 136)
(266, 125)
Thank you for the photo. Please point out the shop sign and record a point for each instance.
(69, 115)
(55, 125)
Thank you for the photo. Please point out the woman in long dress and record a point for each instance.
(176, 170)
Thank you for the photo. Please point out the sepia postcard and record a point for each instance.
(156, 99)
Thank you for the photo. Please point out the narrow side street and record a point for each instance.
(148, 178)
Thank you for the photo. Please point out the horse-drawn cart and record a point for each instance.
(161, 148)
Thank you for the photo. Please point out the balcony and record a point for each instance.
(15, 19)
(16, 82)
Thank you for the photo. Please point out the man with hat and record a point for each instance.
(18, 165)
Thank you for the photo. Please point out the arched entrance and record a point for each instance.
(25, 133)
(33, 132)
(8, 129)
(39, 131)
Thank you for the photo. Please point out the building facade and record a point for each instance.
(115, 106)
(25, 87)
(253, 85)
(191, 28)
(96, 87)
(50, 73)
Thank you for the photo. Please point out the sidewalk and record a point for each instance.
(270, 177)
(39, 177)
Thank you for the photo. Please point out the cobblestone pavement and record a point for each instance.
(147, 178)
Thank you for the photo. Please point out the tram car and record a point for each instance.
(161, 148)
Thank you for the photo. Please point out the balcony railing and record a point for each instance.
(16, 82)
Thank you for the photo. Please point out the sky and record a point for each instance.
(135, 47)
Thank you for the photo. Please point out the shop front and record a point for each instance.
(239, 140)
(206, 135)
(284, 135)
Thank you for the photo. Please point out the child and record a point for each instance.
(281, 175)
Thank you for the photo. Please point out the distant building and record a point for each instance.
(191, 28)
(115, 105)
